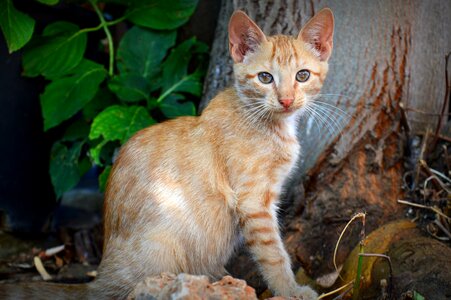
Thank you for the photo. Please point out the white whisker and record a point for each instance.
(323, 121)
(335, 123)
(332, 106)
(335, 116)
(332, 117)
(310, 115)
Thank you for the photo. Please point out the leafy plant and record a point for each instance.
(148, 80)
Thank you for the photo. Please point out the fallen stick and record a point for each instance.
(426, 207)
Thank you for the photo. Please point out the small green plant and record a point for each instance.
(148, 79)
(356, 268)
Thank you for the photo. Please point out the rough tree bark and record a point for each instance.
(385, 53)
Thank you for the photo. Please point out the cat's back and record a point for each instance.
(162, 161)
(159, 135)
(185, 131)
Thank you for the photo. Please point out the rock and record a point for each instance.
(419, 263)
(187, 287)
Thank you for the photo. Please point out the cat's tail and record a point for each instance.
(51, 291)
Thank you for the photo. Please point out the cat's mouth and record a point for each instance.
(287, 110)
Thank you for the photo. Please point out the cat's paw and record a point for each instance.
(306, 293)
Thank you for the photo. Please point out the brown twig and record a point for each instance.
(445, 101)
(390, 278)
(440, 137)
(433, 174)
(337, 290)
(440, 225)
(358, 215)
(343, 294)
(404, 120)
(384, 293)
(426, 207)
(421, 158)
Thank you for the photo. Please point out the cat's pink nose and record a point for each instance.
(286, 103)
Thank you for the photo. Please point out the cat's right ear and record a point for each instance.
(244, 36)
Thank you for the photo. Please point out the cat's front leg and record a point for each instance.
(261, 232)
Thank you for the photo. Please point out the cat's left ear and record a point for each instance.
(244, 36)
(319, 33)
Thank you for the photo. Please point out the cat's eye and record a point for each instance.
(302, 75)
(265, 77)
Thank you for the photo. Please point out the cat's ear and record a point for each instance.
(244, 36)
(319, 33)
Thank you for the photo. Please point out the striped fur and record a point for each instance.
(180, 193)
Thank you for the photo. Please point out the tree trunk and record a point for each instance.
(385, 53)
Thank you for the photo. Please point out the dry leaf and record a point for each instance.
(92, 273)
(40, 267)
(328, 280)
(54, 250)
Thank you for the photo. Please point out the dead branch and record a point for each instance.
(426, 207)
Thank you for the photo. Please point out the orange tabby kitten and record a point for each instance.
(181, 192)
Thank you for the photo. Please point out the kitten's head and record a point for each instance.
(280, 74)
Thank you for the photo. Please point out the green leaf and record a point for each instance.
(64, 97)
(103, 178)
(120, 122)
(58, 50)
(130, 87)
(175, 66)
(17, 27)
(175, 69)
(84, 165)
(117, 123)
(172, 107)
(161, 14)
(201, 48)
(417, 296)
(64, 171)
(48, 2)
(141, 51)
(189, 84)
(79, 130)
(101, 100)
(95, 152)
